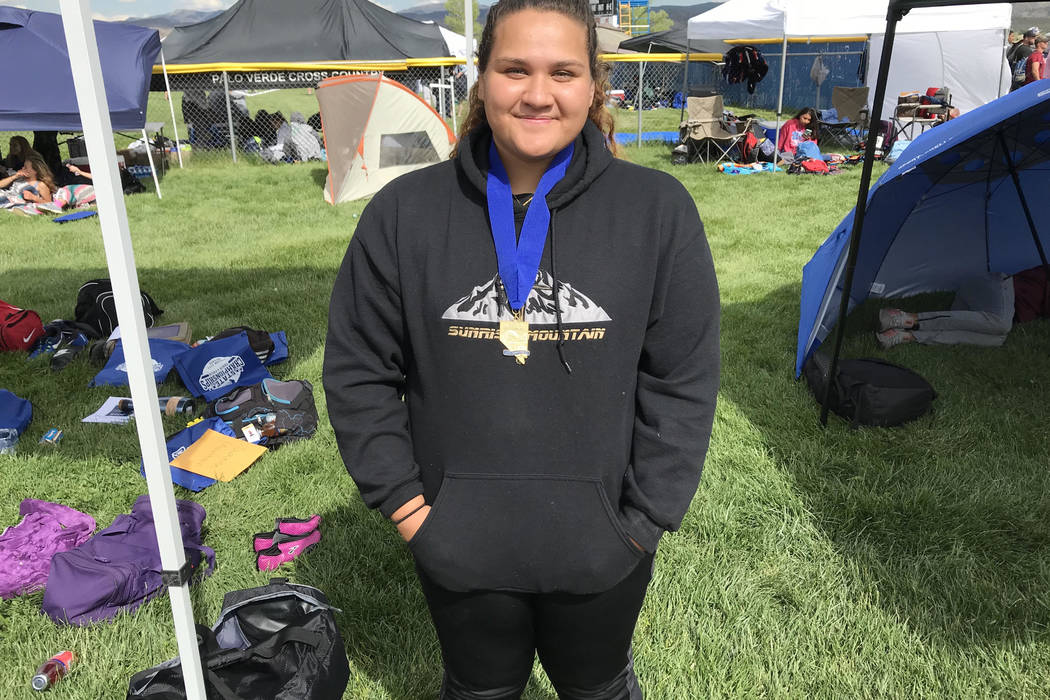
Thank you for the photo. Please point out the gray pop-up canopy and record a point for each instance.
(261, 31)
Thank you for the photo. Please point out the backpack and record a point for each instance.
(744, 64)
(20, 329)
(269, 413)
(119, 568)
(869, 391)
(1020, 70)
(275, 642)
(96, 308)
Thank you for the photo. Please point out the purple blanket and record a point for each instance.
(26, 549)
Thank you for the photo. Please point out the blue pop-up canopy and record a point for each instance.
(952, 207)
(36, 83)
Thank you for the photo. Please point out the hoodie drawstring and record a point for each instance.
(557, 300)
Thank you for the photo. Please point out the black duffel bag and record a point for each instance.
(869, 391)
(276, 642)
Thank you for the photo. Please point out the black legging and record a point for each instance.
(488, 640)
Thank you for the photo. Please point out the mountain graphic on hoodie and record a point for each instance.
(487, 302)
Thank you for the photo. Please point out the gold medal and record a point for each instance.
(514, 334)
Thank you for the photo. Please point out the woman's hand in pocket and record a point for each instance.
(407, 528)
(409, 517)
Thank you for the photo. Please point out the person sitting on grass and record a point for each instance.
(983, 312)
(797, 130)
(17, 148)
(38, 185)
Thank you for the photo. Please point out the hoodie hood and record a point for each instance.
(590, 158)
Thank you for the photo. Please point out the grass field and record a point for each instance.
(832, 563)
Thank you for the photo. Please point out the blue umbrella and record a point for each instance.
(959, 202)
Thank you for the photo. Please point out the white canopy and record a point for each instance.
(961, 47)
(760, 19)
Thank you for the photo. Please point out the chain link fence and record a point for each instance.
(273, 115)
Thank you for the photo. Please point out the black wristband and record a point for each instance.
(412, 512)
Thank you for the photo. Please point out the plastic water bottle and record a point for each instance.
(53, 670)
(8, 440)
(169, 405)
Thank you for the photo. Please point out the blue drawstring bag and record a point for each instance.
(162, 352)
(211, 370)
(178, 443)
(15, 412)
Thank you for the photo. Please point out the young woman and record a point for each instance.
(801, 127)
(549, 316)
(40, 183)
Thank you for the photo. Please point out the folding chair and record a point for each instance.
(851, 105)
(705, 131)
(911, 114)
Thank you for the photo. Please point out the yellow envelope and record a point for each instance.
(218, 456)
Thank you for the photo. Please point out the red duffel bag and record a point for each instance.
(20, 329)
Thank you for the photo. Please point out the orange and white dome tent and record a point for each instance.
(376, 129)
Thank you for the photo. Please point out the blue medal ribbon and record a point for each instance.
(518, 260)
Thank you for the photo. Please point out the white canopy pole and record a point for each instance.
(780, 100)
(468, 34)
(152, 166)
(229, 115)
(94, 115)
(167, 91)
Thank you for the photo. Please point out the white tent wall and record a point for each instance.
(969, 63)
(116, 237)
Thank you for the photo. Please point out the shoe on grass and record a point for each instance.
(893, 336)
(895, 318)
(286, 551)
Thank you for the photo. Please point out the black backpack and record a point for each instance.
(96, 308)
(275, 642)
(260, 341)
(869, 391)
(269, 413)
(744, 64)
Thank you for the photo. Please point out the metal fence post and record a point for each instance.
(229, 115)
(641, 72)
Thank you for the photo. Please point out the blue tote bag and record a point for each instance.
(214, 368)
(162, 352)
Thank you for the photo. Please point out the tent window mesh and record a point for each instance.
(409, 148)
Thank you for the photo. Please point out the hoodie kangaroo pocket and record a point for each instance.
(534, 533)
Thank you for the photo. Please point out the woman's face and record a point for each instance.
(805, 119)
(537, 87)
(30, 171)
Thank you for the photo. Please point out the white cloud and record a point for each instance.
(109, 18)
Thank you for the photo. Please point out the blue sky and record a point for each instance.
(122, 9)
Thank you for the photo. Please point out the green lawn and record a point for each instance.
(832, 563)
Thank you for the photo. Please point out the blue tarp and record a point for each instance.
(37, 83)
(946, 211)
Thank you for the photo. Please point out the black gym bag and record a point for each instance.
(276, 642)
(869, 391)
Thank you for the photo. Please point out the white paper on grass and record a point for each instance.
(109, 412)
